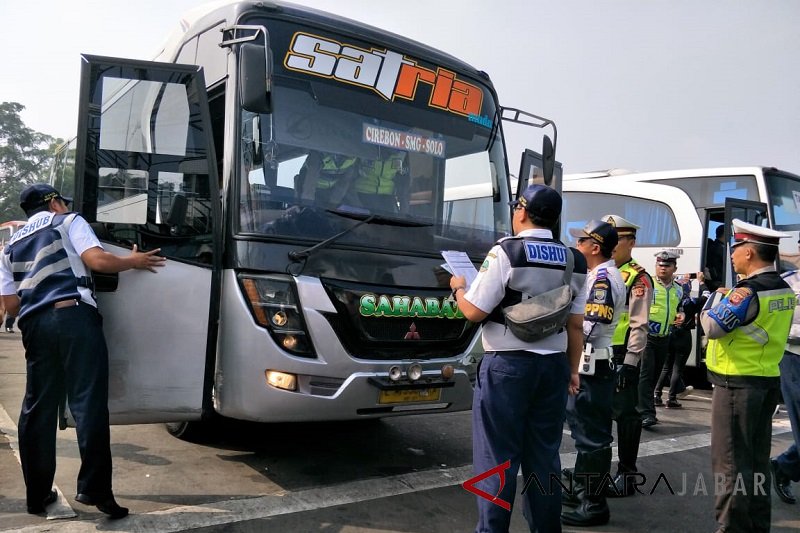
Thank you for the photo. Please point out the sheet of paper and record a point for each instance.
(460, 265)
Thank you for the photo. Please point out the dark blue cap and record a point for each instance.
(39, 194)
(541, 202)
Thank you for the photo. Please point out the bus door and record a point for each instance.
(146, 175)
(746, 211)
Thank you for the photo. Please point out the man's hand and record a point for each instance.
(574, 383)
(626, 375)
(147, 260)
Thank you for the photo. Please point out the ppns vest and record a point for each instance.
(756, 348)
(46, 266)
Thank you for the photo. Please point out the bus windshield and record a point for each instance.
(784, 201)
(335, 145)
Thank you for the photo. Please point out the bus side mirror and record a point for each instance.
(255, 78)
(548, 160)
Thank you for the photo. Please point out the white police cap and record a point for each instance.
(665, 257)
(745, 232)
(623, 225)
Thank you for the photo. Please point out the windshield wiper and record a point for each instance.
(363, 218)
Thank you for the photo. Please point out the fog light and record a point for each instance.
(281, 380)
(448, 371)
(280, 319)
(414, 372)
(395, 373)
(289, 342)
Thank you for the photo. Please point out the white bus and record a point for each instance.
(274, 307)
(680, 211)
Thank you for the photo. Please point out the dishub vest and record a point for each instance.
(45, 264)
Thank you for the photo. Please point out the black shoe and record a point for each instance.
(108, 505)
(658, 402)
(782, 484)
(649, 421)
(621, 486)
(591, 512)
(674, 404)
(40, 508)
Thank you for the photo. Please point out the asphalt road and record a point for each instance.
(393, 475)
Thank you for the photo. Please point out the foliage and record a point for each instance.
(25, 158)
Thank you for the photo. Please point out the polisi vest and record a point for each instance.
(536, 263)
(756, 348)
(664, 308)
(377, 177)
(332, 168)
(630, 272)
(46, 266)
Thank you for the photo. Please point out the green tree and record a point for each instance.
(25, 158)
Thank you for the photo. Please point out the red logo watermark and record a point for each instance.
(500, 470)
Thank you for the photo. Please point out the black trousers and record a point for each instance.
(652, 362)
(629, 421)
(589, 412)
(680, 347)
(741, 434)
(66, 355)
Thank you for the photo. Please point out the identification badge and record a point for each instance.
(587, 365)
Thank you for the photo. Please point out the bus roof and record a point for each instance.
(629, 175)
(205, 16)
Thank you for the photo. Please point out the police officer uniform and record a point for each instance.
(680, 346)
(65, 350)
(521, 388)
(786, 466)
(663, 309)
(326, 178)
(589, 412)
(628, 343)
(381, 182)
(747, 331)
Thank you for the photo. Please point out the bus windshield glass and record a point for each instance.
(784, 201)
(357, 127)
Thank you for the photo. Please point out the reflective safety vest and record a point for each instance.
(377, 176)
(756, 348)
(332, 168)
(630, 272)
(663, 308)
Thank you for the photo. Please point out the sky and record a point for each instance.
(635, 84)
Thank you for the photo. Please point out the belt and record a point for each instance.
(602, 353)
(66, 303)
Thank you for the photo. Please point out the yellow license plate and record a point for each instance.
(410, 396)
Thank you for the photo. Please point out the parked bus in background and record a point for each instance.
(681, 211)
(284, 299)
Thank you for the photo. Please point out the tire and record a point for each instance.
(194, 431)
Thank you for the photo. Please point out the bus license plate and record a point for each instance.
(410, 396)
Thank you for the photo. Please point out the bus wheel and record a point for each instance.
(189, 431)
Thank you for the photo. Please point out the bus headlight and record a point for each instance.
(275, 307)
(414, 372)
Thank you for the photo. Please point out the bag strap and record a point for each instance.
(570, 266)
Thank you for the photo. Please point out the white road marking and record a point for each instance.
(183, 518)
(61, 508)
